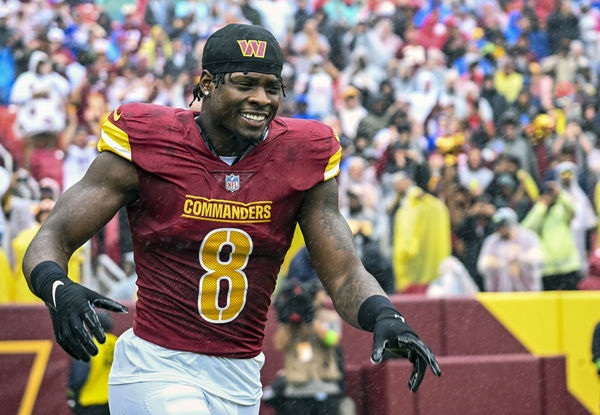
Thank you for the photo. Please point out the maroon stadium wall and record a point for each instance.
(485, 369)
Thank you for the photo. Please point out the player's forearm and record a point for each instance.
(350, 292)
(332, 252)
(44, 247)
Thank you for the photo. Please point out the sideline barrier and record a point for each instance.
(486, 368)
(33, 367)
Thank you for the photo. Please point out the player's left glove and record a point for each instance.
(390, 332)
(393, 334)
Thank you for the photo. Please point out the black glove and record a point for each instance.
(70, 306)
(393, 334)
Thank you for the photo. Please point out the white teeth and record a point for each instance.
(253, 117)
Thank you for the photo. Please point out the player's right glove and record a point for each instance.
(70, 306)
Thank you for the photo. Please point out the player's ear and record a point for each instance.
(206, 81)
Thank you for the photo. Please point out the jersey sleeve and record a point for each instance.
(113, 135)
(140, 133)
(332, 168)
(318, 154)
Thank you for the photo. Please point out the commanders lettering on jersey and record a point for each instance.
(196, 207)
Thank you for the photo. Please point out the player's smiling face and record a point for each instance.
(243, 105)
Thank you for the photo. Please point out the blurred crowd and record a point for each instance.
(469, 128)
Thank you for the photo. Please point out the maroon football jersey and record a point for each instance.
(209, 238)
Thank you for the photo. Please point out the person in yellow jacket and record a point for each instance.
(88, 381)
(550, 218)
(21, 292)
(7, 280)
(421, 239)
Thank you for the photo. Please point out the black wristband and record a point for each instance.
(371, 308)
(42, 277)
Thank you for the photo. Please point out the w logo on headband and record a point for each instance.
(254, 48)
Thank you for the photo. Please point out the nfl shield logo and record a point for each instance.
(232, 182)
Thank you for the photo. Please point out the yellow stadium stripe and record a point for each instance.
(333, 167)
(42, 349)
(555, 322)
(114, 139)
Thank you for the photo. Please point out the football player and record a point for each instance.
(213, 198)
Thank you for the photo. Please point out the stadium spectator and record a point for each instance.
(155, 49)
(352, 112)
(88, 381)
(573, 140)
(250, 13)
(511, 258)
(359, 173)
(453, 280)
(79, 151)
(7, 278)
(371, 236)
(550, 219)
(507, 81)
(10, 45)
(310, 46)
(474, 174)
(40, 211)
(562, 64)
(512, 142)
(308, 337)
(562, 25)
(421, 241)
(496, 100)
(470, 233)
(126, 289)
(511, 186)
(377, 117)
(237, 145)
(301, 269)
(159, 13)
(41, 96)
(584, 219)
(181, 60)
(302, 109)
(170, 90)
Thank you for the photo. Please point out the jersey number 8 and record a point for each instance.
(223, 254)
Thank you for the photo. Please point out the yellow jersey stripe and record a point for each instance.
(114, 139)
(333, 167)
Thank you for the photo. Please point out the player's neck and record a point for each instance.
(219, 143)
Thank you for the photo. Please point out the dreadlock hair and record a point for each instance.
(220, 79)
(197, 94)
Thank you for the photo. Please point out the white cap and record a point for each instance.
(505, 215)
(56, 35)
